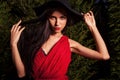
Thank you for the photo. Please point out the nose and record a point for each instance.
(57, 22)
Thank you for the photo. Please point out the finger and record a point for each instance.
(15, 25)
(18, 23)
(15, 28)
(87, 14)
(12, 28)
(91, 13)
(18, 28)
(22, 29)
(82, 13)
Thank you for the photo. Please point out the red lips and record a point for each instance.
(57, 28)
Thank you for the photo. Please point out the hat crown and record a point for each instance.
(61, 1)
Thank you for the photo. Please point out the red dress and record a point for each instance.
(54, 65)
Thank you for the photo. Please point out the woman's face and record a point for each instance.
(58, 21)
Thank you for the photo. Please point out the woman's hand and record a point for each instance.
(89, 19)
(15, 35)
(16, 32)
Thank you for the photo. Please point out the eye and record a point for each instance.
(52, 17)
(63, 17)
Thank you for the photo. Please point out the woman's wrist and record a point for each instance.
(14, 45)
(92, 28)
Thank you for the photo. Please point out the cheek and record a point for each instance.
(51, 22)
(65, 22)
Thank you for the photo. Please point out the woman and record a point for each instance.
(43, 51)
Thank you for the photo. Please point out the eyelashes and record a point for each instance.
(61, 17)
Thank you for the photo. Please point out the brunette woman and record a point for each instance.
(43, 51)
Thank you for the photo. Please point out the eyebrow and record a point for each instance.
(63, 16)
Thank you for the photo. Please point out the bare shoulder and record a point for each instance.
(73, 43)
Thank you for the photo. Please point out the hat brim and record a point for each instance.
(76, 16)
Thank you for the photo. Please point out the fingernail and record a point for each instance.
(82, 13)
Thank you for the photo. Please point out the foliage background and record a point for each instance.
(107, 14)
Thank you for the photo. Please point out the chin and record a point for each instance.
(57, 31)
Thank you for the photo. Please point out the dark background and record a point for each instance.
(107, 15)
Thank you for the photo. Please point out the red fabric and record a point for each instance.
(54, 65)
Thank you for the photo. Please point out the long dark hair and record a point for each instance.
(31, 40)
(33, 37)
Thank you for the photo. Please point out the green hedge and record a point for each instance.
(80, 68)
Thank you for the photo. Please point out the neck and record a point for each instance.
(57, 34)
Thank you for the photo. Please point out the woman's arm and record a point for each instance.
(15, 35)
(102, 52)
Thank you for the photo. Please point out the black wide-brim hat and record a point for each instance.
(40, 10)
